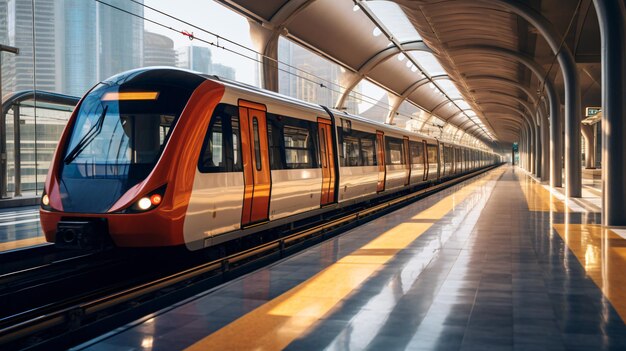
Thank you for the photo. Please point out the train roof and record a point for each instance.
(300, 103)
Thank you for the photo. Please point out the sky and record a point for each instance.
(207, 15)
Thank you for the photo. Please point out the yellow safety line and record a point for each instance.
(602, 253)
(22, 243)
(278, 322)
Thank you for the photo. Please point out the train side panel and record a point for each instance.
(295, 191)
(356, 182)
(214, 207)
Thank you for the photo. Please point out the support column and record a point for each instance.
(537, 150)
(522, 155)
(531, 153)
(265, 41)
(612, 20)
(513, 156)
(545, 147)
(590, 150)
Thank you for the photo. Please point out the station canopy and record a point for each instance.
(456, 60)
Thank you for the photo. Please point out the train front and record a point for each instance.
(122, 168)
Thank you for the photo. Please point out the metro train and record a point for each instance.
(166, 157)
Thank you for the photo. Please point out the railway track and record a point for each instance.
(69, 321)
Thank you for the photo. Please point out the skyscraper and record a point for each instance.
(158, 50)
(37, 58)
(80, 59)
(199, 58)
(98, 41)
(120, 37)
(195, 58)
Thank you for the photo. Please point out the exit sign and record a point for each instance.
(592, 111)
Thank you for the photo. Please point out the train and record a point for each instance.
(164, 157)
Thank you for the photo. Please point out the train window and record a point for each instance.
(394, 151)
(297, 152)
(417, 153)
(323, 148)
(292, 142)
(257, 143)
(351, 151)
(368, 152)
(166, 123)
(221, 151)
(215, 144)
(357, 148)
(235, 131)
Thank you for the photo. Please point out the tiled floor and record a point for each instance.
(19, 227)
(482, 266)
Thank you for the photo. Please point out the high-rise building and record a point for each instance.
(98, 41)
(195, 58)
(80, 54)
(158, 50)
(120, 37)
(223, 71)
(302, 72)
(199, 59)
(36, 64)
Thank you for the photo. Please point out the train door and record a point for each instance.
(380, 153)
(425, 177)
(328, 161)
(256, 165)
(442, 160)
(407, 161)
(439, 160)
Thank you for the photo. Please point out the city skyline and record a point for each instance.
(78, 43)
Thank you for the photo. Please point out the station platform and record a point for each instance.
(20, 228)
(494, 263)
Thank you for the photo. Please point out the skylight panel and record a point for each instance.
(428, 62)
(462, 104)
(449, 88)
(394, 19)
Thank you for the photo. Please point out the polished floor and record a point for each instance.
(496, 263)
(20, 228)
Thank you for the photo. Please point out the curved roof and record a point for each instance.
(487, 89)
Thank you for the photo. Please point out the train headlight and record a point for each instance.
(147, 202)
(144, 203)
(45, 202)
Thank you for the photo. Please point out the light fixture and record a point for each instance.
(144, 203)
(376, 32)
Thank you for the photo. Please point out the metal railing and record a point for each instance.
(42, 100)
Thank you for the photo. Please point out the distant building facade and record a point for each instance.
(158, 50)
(199, 59)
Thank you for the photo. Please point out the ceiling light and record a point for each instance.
(401, 57)
(413, 69)
(376, 32)
(356, 8)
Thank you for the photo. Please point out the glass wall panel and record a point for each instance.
(307, 76)
(372, 101)
(67, 46)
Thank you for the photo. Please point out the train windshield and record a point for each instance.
(118, 136)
